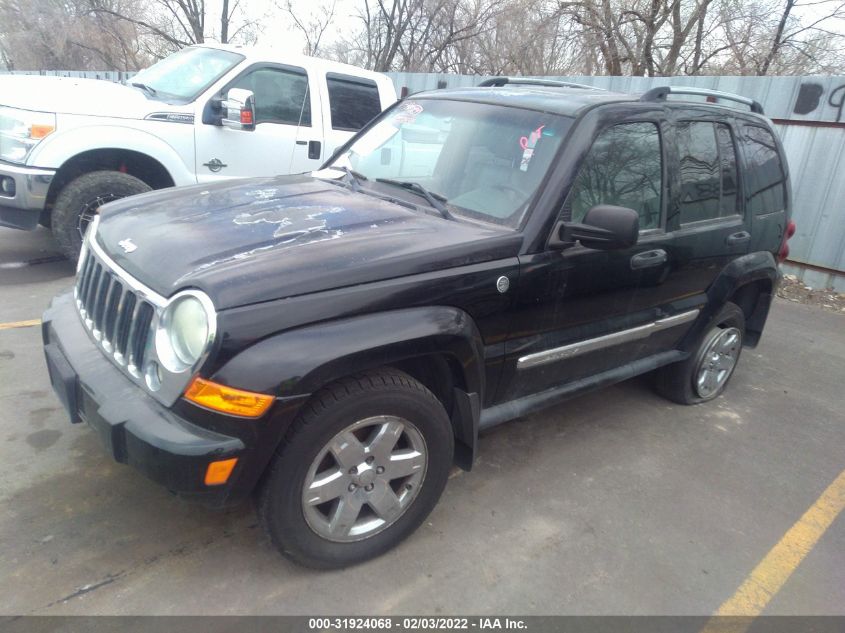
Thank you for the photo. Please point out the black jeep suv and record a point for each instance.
(335, 341)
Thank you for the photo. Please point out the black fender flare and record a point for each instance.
(744, 270)
(296, 363)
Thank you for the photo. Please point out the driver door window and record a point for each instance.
(623, 168)
(281, 96)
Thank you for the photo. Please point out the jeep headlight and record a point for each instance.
(185, 331)
(21, 131)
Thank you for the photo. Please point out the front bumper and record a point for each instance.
(22, 210)
(136, 429)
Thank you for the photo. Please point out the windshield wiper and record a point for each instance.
(433, 199)
(148, 89)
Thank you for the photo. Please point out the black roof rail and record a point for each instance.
(660, 93)
(497, 82)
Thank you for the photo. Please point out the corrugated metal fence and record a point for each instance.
(105, 75)
(809, 113)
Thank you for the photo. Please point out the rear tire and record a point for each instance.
(705, 374)
(358, 471)
(80, 200)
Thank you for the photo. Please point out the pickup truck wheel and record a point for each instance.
(79, 201)
(705, 374)
(358, 472)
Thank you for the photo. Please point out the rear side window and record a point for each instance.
(708, 171)
(729, 199)
(353, 101)
(766, 175)
(624, 168)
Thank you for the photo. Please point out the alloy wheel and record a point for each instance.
(364, 479)
(717, 361)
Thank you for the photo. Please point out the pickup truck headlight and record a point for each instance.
(21, 131)
(185, 331)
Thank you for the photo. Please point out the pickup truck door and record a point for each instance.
(288, 128)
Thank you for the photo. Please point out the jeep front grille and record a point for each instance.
(124, 318)
(118, 317)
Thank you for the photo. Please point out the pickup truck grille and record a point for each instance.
(118, 318)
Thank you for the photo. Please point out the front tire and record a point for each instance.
(359, 470)
(80, 200)
(705, 374)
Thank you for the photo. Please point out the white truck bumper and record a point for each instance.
(23, 194)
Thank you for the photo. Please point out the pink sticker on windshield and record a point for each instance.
(527, 143)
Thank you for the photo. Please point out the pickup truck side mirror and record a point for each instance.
(239, 110)
(605, 227)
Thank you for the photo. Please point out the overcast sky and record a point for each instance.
(279, 31)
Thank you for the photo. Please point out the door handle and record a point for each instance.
(738, 238)
(314, 149)
(648, 259)
(302, 142)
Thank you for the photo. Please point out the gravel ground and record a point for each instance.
(793, 289)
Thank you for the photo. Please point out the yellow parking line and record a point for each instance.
(14, 324)
(775, 569)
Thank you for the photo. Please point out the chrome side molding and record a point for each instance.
(608, 340)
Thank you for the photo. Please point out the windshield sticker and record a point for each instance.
(527, 143)
(407, 112)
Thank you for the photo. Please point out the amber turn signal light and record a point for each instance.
(218, 473)
(227, 399)
(40, 131)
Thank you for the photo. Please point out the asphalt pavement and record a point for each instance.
(617, 502)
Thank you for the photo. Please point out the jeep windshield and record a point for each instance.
(485, 161)
(183, 76)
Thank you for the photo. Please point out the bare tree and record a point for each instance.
(527, 37)
(30, 39)
(311, 23)
(168, 25)
(234, 14)
(638, 37)
(542, 44)
(764, 38)
(419, 35)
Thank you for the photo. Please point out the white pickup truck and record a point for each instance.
(205, 113)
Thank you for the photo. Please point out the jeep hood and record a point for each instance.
(261, 239)
(69, 95)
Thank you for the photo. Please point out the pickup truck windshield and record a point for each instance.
(183, 76)
(487, 161)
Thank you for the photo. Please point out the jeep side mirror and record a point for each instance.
(605, 227)
(239, 110)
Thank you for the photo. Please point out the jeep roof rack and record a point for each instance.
(497, 82)
(660, 93)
